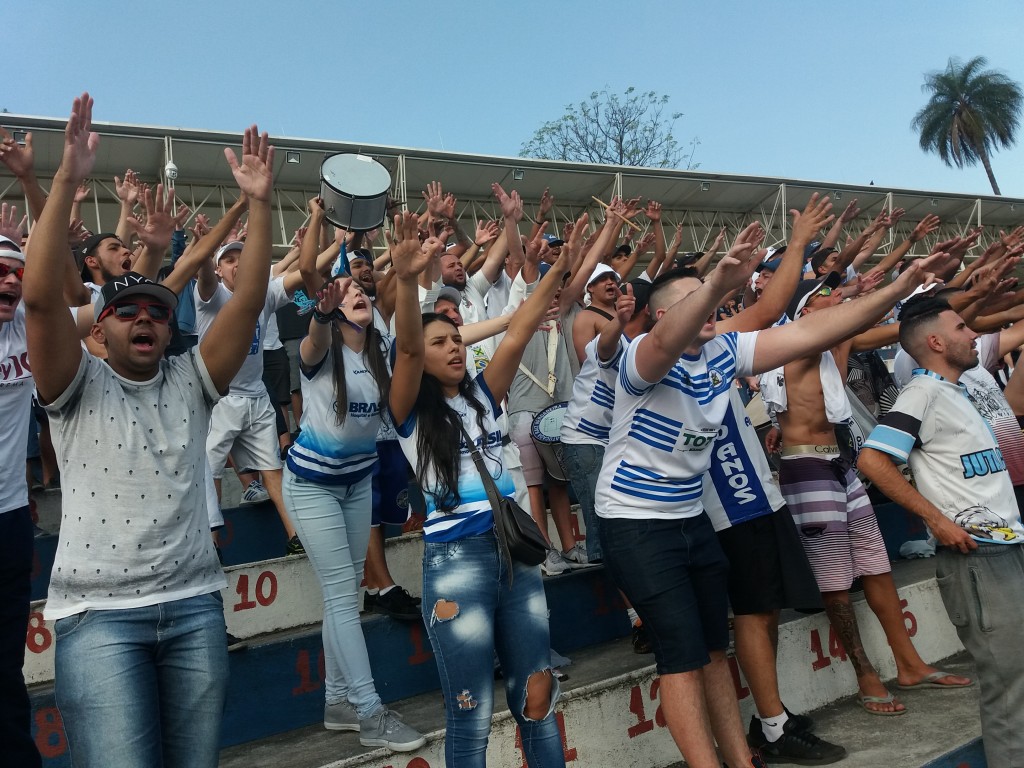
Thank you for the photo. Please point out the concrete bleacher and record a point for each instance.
(609, 713)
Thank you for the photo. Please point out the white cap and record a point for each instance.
(234, 245)
(10, 253)
(600, 271)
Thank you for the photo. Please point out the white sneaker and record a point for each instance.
(386, 729)
(577, 556)
(554, 563)
(255, 493)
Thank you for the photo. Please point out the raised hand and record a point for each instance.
(201, 226)
(870, 280)
(511, 204)
(677, 238)
(80, 143)
(632, 208)
(254, 175)
(546, 202)
(9, 225)
(816, 215)
(448, 206)
(130, 189)
(300, 234)
(408, 257)
(894, 217)
(849, 213)
(719, 239)
(625, 303)
(735, 268)
(18, 159)
(181, 216)
(434, 195)
(82, 192)
(535, 246)
(486, 231)
(77, 233)
(158, 228)
(645, 242)
(329, 297)
(653, 210)
(925, 227)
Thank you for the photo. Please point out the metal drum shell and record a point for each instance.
(354, 191)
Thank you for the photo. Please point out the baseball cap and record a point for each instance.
(771, 266)
(92, 241)
(600, 271)
(554, 240)
(806, 289)
(234, 245)
(625, 248)
(6, 252)
(132, 284)
(449, 294)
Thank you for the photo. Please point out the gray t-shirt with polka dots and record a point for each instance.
(134, 529)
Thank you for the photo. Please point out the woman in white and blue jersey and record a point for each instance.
(474, 603)
(327, 489)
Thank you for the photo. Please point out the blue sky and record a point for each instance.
(794, 89)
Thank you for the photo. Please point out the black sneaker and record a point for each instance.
(641, 642)
(294, 546)
(396, 603)
(368, 602)
(236, 643)
(801, 722)
(794, 746)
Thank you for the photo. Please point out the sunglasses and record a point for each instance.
(18, 272)
(158, 313)
(824, 291)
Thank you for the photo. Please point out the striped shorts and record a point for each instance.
(835, 520)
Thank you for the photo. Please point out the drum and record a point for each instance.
(354, 190)
(546, 431)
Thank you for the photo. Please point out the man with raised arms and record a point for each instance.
(660, 547)
(141, 656)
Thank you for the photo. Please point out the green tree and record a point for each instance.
(971, 113)
(632, 129)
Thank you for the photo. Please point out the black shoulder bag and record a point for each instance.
(519, 537)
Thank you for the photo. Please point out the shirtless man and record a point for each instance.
(841, 536)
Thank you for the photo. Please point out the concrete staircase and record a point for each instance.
(609, 713)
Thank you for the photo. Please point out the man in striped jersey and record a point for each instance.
(660, 547)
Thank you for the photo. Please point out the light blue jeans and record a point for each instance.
(470, 611)
(583, 463)
(143, 686)
(333, 523)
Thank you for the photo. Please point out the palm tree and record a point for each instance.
(971, 112)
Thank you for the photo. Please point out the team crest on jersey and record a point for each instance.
(715, 377)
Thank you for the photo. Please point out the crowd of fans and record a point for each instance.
(363, 365)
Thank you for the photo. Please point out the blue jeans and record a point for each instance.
(471, 610)
(143, 686)
(333, 522)
(583, 463)
(16, 544)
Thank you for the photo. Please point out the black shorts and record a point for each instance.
(768, 569)
(673, 573)
(275, 375)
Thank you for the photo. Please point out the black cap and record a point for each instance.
(805, 289)
(132, 284)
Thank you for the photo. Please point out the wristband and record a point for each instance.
(322, 318)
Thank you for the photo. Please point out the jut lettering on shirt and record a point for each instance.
(981, 463)
(16, 367)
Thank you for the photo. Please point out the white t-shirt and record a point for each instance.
(588, 418)
(15, 402)
(248, 382)
(134, 528)
(473, 515)
(327, 452)
(954, 455)
(987, 397)
(662, 434)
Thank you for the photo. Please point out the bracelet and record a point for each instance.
(478, 245)
(323, 318)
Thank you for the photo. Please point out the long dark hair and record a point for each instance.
(439, 437)
(373, 356)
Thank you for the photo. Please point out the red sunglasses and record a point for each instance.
(18, 272)
(158, 313)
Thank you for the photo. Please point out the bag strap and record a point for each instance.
(492, 496)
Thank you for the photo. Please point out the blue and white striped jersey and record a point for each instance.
(588, 419)
(662, 434)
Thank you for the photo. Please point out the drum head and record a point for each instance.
(547, 425)
(356, 175)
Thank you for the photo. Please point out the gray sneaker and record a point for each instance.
(554, 563)
(385, 728)
(577, 556)
(340, 717)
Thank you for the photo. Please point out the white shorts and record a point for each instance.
(246, 428)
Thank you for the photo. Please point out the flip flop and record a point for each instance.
(890, 699)
(931, 681)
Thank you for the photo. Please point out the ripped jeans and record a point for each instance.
(470, 611)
